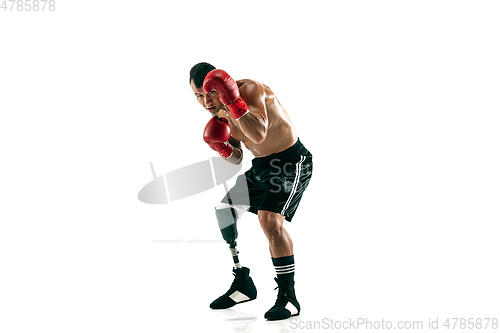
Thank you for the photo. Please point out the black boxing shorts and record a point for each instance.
(274, 183)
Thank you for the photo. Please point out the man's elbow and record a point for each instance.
(259, 137)
(234, 161)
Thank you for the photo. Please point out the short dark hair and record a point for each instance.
(198, 73)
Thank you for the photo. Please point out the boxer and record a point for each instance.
(248, 112)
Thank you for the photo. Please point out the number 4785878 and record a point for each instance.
(28, 5)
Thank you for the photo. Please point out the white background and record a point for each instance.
(398, 101)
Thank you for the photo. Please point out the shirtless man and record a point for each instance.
(248, 111)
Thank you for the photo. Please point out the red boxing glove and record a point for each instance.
(217, 132)
(228, 91)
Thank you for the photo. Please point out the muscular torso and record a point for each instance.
(280, 131)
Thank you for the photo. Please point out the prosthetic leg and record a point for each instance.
(242, 289)
(227, 218)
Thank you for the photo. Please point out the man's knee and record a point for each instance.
(271, 223)
(227, 218)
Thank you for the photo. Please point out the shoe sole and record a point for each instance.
(294, 315)
(248, 300)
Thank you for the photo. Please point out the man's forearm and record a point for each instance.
(253, 126)
(236, 156)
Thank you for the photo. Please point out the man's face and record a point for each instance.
(210, 101)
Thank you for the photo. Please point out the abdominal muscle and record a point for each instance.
(278, 138)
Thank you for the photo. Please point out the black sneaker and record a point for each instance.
(286, 304)
(242, 290)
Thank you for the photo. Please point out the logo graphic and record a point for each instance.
(188, 181)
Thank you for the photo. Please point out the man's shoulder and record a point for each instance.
(250, 87)
(246, 82)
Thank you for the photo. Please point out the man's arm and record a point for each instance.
(253, 116)
(254, 123)
(237, 154)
